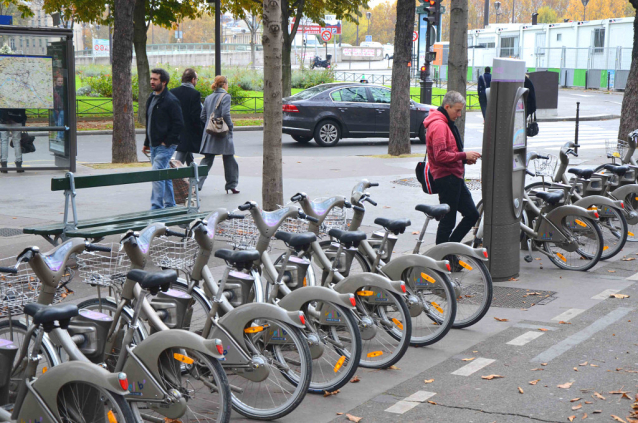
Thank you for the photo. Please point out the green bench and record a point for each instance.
(97, 229)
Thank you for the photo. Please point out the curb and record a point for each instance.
(580, 118)
(142, 131)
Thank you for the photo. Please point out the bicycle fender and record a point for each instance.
(353, 283)
(297, 298)
(49, 384)
(396, 267)
(622, 192)
(438, 252)
(599, 200)
(236, 320)
(555, 216)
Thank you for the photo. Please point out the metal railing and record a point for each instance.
(185, 48)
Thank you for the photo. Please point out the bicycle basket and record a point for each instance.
(174, 254)
(546, 167)
(19, 289)
(99, 268)
(616, 148)
(242, 234)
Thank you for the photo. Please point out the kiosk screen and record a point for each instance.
(519, 125)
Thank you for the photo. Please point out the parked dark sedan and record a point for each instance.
(329, 112)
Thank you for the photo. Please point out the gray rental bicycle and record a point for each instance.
(265, 356)
(621, 152)
(173, 375)
(612, 214)
(77, 391)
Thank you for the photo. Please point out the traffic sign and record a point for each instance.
(326, 35)
(415, 36)
(368, 38)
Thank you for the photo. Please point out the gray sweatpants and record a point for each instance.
(231, 170)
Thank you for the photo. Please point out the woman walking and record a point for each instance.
(216, 144)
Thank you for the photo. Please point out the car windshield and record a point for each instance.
(309, 93)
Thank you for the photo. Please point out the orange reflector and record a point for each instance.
(398, 323)
(465, 265)
(365, 293)
(111, 416)
(580, 223)
(437, 307)
(305, 282)
(636, 198)
(630, 233)
(44, 370)
(562, 257)
(340, 363)
(184, 359)
(593, 208)
(375, 354)
(428, 278)
(605, 248)
(254, 329)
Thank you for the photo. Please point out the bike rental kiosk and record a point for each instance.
(504, 167)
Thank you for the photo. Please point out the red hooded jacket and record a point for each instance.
(443, 154)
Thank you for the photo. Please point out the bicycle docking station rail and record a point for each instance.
(504, 167)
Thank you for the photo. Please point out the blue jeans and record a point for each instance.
(162, 195)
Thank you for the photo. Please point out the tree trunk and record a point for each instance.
(124, 149)
(286, 71)
(272, 179)
(400, 106)
(629, 112)
(143, 71)
(457, 58)
(288, 37)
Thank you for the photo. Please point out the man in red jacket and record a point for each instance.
(447, 165)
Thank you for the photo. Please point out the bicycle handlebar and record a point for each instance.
(93, 247)
(538, 156)
(8, 270)
(303, 215)
(374, 184)
(297, 197)
(369, 200)
(245, 206)
(357, 208)
(235, 216)
(530, 173)
(175, 234)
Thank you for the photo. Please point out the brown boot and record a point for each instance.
(3, 164)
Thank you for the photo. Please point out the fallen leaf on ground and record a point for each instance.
(620, 296)
(501, 320)
(468, 359)
(618, 419)
(564, 323)
(597, 395)
(513, 279)
(611, 271)
(490, 377)
(355, 379)
(597, 411)
(520, 390)
(575, 399)
(432, 402)
(588, 402)
(428, 381)
(619, 391)
(393, 367)
(327, 394)
(415, 233)
(584, 416)
(594, 365)
(339, 414)
(566, 385)
(534, 382)
(624, 395)
(575, 369)
(577, 407)
(583, 364)
(543, 330)
(543, 364)
(533, 370)
(387, 207)
(627, 259)
(352, 418)
(571, 418)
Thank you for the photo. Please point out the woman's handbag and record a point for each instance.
(532, 127)
(26, 143)
(216, 126)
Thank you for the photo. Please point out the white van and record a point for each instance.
(388, 50)
(371, 44)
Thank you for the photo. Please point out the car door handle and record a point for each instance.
(380, 111)
(342, 109)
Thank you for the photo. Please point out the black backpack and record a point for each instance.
(424, 176)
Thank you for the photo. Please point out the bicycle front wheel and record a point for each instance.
(473, 287)
(582, 248)
(613, 226)
(82, 402)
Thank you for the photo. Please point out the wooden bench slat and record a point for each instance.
(112, 179)
(102, 231)
(58, 228)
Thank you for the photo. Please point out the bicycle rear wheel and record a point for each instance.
(583, 248)
(613, 226)
(473, 287)
(82, 402)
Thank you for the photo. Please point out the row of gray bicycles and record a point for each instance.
(165, 340)
(181, 345)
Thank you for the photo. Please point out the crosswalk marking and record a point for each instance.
(569, 314)
(410, 402)
(525, 338)
(473, 367)
(605, 294)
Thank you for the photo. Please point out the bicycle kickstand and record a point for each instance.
(529, 258)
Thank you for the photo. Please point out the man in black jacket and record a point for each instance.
(484, 83)
(191, 100)
(164, 123)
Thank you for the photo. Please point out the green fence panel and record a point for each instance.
(603, 78)
(580, 77)
(530, 70)
(469, 73)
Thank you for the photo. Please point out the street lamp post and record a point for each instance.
(585, 2)
(368, 15)
(497, 5)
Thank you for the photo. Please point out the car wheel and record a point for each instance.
(327, 133)
(301, 139)
(422, 134)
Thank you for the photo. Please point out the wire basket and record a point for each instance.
(174, 254)
(20, 288)
(616, 148)
(546, 167)
(242, 234)
(99, 268)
